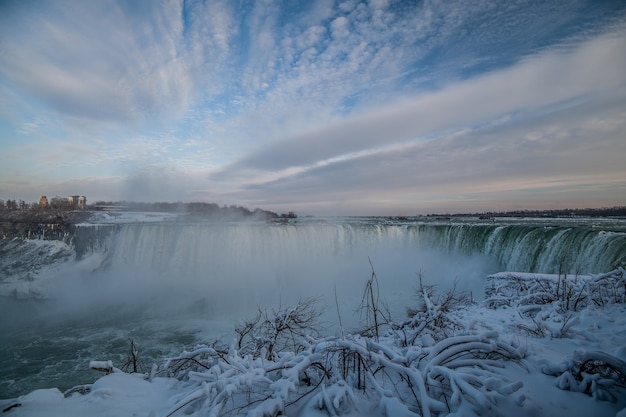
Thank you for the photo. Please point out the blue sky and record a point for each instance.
(321, 107)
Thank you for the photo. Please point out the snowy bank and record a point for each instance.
(536, 354)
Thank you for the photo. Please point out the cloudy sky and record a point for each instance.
(321, 107)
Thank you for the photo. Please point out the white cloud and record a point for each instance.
(99, 64)
(391, 152)
(532, 85)
(340, 27)
(314, 100)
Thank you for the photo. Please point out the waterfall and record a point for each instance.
(191, 250)
(532, 248)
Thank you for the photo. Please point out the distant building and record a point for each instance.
(77, 201)
(43, 201)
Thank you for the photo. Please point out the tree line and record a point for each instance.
(194, 209)
(58, 205)
(616, 211)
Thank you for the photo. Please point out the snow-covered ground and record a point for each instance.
(539, 345)
(21, 262)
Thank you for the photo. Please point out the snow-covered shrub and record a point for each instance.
(608, 288)
(335, 376)
(550, 303)
(232, 385)
(553, 304)
(201, 359)
(572, 293)
(278, 364)
(595, 373)
(277, 330)
(434, 317)
(458, 373)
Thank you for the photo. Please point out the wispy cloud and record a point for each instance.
(307, 103)
(533, 85)
(96, 61)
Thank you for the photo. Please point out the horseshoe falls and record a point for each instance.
(197, 250)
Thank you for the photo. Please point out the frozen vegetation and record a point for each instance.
(537, 345)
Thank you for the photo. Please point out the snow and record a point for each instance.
(103, 366)
(21, 263)
(503, 359)
(117, 394)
